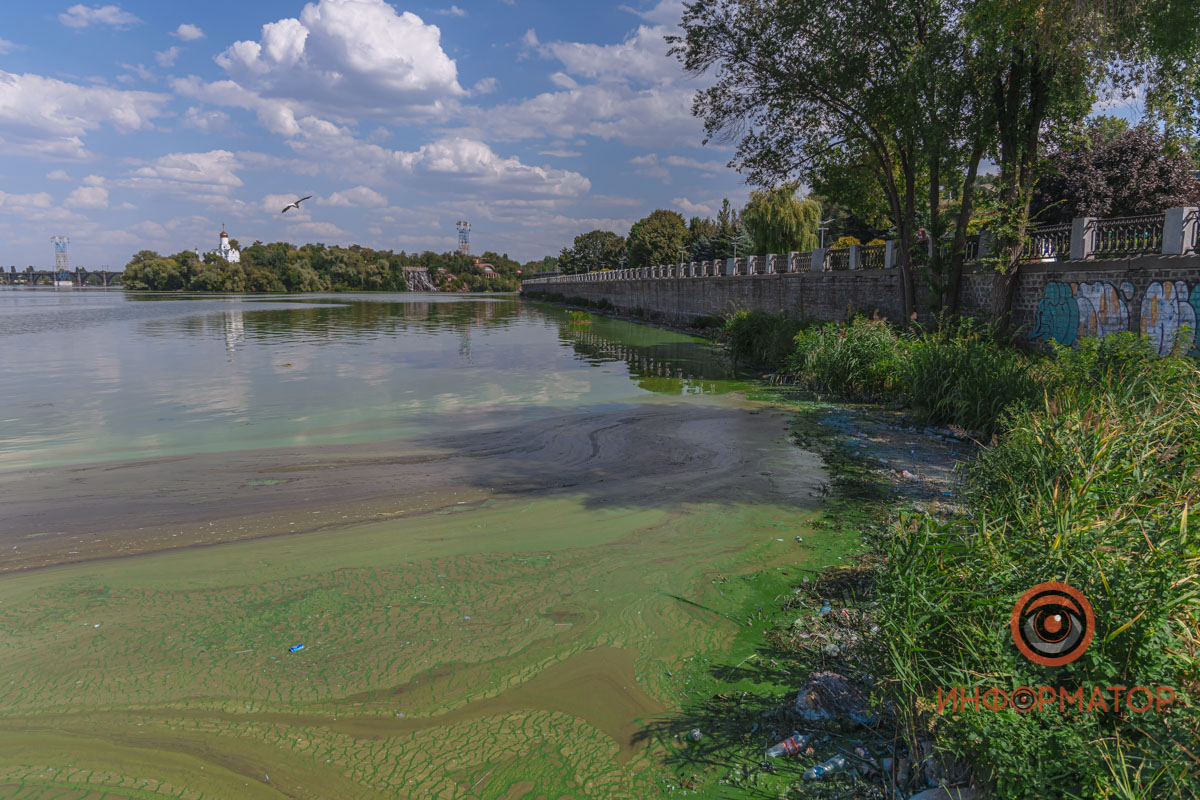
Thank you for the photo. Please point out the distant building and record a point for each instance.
(226, 251)
(487, 268)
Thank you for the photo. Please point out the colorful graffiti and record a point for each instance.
(1166, 309)
(1069, 312)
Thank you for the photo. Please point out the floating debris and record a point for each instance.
(793, 745)
(295, 648)
(835, 764)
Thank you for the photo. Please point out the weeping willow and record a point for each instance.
(779, 222)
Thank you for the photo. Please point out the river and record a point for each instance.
(505, 542)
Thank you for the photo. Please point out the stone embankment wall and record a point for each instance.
(1088, 277)
(1061, 300)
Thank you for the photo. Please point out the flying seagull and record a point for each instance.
(295, 205)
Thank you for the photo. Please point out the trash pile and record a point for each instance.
(835, 728)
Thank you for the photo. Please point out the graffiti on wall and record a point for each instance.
(1069, 312)
(1167, 308)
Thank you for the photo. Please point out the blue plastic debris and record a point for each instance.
(295, 647)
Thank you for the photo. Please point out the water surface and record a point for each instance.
(506, 543)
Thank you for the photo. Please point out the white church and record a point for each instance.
(225, 250)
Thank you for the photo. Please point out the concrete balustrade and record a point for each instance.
(1178, 229)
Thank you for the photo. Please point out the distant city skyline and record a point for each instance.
(142, 125)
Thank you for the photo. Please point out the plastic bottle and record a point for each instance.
(789, 746)
(835, 764)
(824, 610)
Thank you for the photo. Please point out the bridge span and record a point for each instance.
(80, 276)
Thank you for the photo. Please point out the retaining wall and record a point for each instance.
(1061, 300)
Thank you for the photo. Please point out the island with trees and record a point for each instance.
(283, 267)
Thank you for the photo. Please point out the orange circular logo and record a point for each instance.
(1052, 624)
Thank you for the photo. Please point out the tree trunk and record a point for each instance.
(958, 253)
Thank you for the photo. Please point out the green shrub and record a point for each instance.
(857, 359)
(760, 339)
(961, 375)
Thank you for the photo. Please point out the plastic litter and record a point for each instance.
(790, 746)
(829, 698)
(835, 764)
(825, 609)
(696, 735)
(295, 647)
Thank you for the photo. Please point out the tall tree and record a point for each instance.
(1045, 62)
(657, 239)
(779, 222)
(1113, 173)
(806, 83)
(596, 250)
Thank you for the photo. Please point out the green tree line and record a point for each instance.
(284, 267)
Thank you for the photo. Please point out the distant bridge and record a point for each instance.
(80, 276)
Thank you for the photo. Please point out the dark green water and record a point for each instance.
(105, 375)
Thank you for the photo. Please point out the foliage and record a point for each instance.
(962, 375)
(1047, 61)
(1090, 485)
(858, 359)
(914, 94)
(778, 222)
(710, 239)
(1114, 173)
(839, 92)
(546, 264)
(845, 241)
(760, 339)
(593, 251)
(580, 318)
(282, 267)
(657, 239)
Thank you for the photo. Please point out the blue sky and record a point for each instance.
(149, 124)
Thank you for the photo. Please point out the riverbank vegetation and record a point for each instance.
(283, 267)
(1087, 477)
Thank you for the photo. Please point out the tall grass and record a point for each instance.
(961, 375)
(759, 339)
(861, 359)
(1090, 478)
(1091, 486)
(957, 374)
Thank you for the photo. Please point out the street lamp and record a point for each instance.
(822, 224)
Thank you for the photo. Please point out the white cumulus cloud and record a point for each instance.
(166, 58)
(47, 117)
(26, 201)
(188, 32)
(88, 197)
(348, 58)
(81, 16)
(358, 197)
(204, 175)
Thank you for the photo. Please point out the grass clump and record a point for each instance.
(1090, 479)
(962, 375)
(1090, 486)
(580, 318)
(760, 339)
(861, 359)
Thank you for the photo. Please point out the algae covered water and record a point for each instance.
(499, 537)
